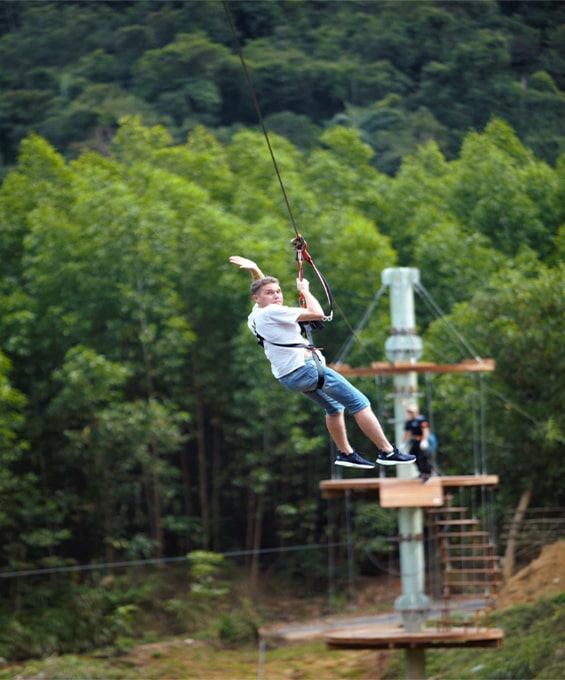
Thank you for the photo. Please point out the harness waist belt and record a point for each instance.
(319, 365)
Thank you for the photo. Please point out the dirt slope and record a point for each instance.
(544, 576)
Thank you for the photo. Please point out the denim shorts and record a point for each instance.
(336, 394)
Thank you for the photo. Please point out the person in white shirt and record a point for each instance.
(299, 367)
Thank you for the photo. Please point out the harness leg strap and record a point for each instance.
(320, 368)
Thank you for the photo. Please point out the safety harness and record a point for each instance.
(302, 254)
(310, 346)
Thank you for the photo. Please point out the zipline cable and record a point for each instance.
(299, 238)
(258, 110)
(298, 243)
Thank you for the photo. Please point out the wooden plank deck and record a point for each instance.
(375, 638)
(402, 493)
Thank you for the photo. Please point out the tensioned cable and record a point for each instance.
(475, 430)
(418, 287)
(521, 411)
(346, 347)
(253, 94)
(258, 110)
(429, 402)
(162, 560)
(441, 316)
(350, 571)
(483, 427)
(462, 343)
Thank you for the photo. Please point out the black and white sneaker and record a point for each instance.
(353, 460)
(394, 457)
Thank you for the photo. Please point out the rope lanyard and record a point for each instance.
(301, 246)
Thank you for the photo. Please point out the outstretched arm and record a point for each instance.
(249, 265)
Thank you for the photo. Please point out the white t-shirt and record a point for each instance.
(278, 323)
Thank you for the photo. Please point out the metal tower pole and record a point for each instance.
(404, 345)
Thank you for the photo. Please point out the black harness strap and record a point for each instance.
(307, 329)
(310, 346)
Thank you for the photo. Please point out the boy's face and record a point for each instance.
(269, 294)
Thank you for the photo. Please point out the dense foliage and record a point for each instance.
(403, 73)
(138, 417)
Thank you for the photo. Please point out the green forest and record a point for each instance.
(139, 419)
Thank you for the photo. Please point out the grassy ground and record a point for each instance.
(534, 647)
(222, 646)
(177, 660)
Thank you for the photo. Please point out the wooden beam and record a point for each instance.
(386, 368)
(370, 486)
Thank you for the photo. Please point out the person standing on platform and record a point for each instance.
(416, 434)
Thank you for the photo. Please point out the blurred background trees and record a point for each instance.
(138, 417)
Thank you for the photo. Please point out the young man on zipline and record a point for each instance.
(301, 368)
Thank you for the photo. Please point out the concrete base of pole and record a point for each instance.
(415, 664)
(414, 609)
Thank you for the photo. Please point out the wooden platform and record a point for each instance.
(372, 638)
(402, 493)
(394, 368)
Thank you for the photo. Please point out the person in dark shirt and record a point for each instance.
(416, 434)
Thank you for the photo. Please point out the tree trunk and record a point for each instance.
(202, 458)
(153, 499)
(186, 485)
(509, 554)
(249, 526)
(216, 486)
(156, 510)
(108, 517)
(153, 481)
(202, 472)
(258, 530)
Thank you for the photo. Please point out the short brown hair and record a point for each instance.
(263, 281)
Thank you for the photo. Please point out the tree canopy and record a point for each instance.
(402, 72)
(138, 417)
(134, 393)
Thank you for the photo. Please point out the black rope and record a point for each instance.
(253, 94)
(258, 110)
